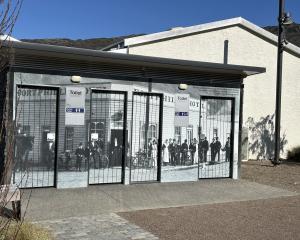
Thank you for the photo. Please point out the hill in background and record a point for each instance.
(93, 43)
(292, 32)
(292, 35)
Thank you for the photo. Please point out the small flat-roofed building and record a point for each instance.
(82, 117)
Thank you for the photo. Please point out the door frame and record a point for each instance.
(124, 150)
(58, 91)
(232, 99)
(159, 139)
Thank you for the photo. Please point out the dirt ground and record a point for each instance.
(275, 219)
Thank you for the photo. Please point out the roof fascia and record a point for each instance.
(128, 59)
(208, 27)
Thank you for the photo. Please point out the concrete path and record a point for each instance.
(47, 204)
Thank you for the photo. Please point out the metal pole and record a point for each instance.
(279, 83)
(240, 130)
(147, 114)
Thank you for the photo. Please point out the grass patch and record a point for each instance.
(25, 231)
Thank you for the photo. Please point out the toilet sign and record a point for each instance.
(75, 105)
(182, 106)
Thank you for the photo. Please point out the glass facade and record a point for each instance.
(105, 148)
(214, 147)
(35, 136)
(145, 151)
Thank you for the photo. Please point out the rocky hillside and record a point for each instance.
(93, 43)
(292, 33)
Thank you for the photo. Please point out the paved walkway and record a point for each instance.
(50, 203)
(88, 213)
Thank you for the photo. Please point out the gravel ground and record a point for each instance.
(285, 175)
(260, 219)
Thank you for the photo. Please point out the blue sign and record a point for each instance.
(182, 107)
(75, 110)
(181, 114)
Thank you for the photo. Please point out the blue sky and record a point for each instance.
(82, 19)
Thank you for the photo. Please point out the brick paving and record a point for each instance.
(100, 227)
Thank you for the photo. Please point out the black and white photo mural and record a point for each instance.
(180, 135)
(35, 136)
(105, 149)
(121, 132)
(215, 138)
(146, 123)
(192, 146)
(72, 156)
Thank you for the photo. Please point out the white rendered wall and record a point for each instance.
(245, 48)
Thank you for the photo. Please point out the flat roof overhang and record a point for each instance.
(130, 60)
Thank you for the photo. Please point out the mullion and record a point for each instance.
(21, 162)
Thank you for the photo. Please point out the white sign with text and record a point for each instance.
(75, 105)
(182, 106)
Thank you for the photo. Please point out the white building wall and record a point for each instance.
(245, 48)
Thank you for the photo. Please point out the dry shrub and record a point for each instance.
(25, 231)
(294, 154)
